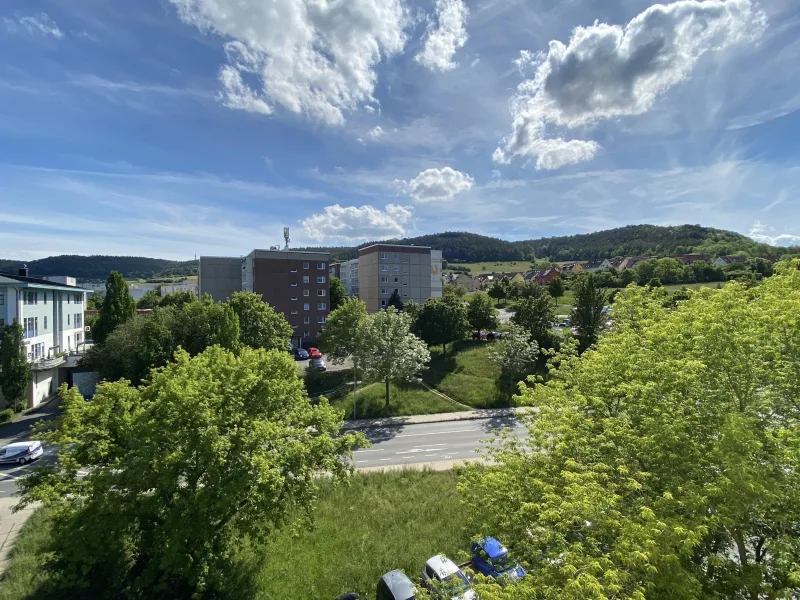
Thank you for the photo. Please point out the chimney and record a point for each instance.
(23, 272)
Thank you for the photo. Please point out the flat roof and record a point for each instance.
(39, 283)
(394, 246)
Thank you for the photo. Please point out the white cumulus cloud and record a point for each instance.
(437, 184)
(352, 223)
(760, 233)
(609, 71)
(445, 35)
(40, 24)
(311, 57)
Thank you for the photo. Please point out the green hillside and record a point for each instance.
(98, 267)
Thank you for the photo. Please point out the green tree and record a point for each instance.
(556, 288)
(118, 307)
(588, 316)
(453, 289)
(260, 326)
(94, 302)
(535, 314)
(388, 350)
(181, 472)
(498, 291)
(627, 277)
(341, 336)
(15, 374)
(443, 320)
(178, 299)
(150, 300)
(516, 352)
(338, 293)
(481, 313)
(199, 325)
(395, 300)
(663, 464)
(412, 309)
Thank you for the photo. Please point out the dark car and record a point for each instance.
(395, 585)
(494, 335)
(491, 558)
(301, 354)
(318, 364)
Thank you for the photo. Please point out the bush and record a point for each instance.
(6, 415)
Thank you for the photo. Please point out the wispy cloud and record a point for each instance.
(38, 24)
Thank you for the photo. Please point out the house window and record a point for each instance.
(2, 322)
(322, 306)
(294, 297)
(294, 312)
(321, 279)
(306, 293)
(45, 323)
(67, 319)
(384, 267)
(306, 320)
(305, 278)
(44, 296)
(77, 339)
(306, 334)
(2, 297)
(384, 291)
(306, 306)
(77, 298)
(294, 284)
(321, 266)
(383, 302)
(305, 265)
(78, 321)
(320, 292)
(384, 279)
(384, 255)
(31, 326)
(68, 298)
(320, 319)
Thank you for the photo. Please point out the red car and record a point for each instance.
(314, 353)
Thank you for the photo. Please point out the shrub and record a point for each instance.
(6, 415)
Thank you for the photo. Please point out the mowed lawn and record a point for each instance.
(468, 375)
(379, 522)
(404, 399)
(518, 266)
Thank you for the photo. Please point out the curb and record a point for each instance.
(472, 415)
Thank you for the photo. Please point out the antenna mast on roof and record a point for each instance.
(286, 237)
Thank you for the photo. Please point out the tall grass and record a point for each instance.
(404, 399)
(25, 574)
(381, 522)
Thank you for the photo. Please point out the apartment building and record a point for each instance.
(294, 283)
(414, 271)
(51, 314)
(347, 273)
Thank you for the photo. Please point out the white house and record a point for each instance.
(722, 261)
(51, 315)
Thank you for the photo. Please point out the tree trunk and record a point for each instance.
(444, 349)
(387, 393)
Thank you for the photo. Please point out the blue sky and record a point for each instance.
(172, 127)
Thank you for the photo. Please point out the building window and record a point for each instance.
(68, 298)
(77, 298)
(294, 326)
(294, 297)
(384, 255)
(77, 339)
(44, 296)
(321, 266)
(293, 271)
(405, 294)
(321, 279)
(306, 320)
(305, 278)
(396, 279)
(384, 267)
(321, 319)
(67, 319)
(384, 291)
(78, 321)
(305, 265)
(306, 334)
(405, 283)
(294, 284)
(45, 323)
(320, 292)
(396, 268)
(2, 322)
(294, 312)
(384, 279)
(2, 297)
(383, 302)
(322, 306)
(396, 256)
(31, 326)
(306, 293)
(306, 306)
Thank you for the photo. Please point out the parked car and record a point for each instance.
(21, 452)
(395, 585)
(314, 353)
(318, 364)
(445, 580)
(564, 323)
(301, 354)
(491, 558)
(494, 335)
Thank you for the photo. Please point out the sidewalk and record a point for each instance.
(10, 526)
(467, 415)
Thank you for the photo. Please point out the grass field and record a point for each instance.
(517, 266)
(405, 399)
(378, 523)
(467, 375)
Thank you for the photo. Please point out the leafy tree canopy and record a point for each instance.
(260, 326)
(665, 462)
(443, 320)
(338, 293)
(118, 307)
(150, 300)
(180, 472)
(587, 316)
(15, 374)
(339, 338)
(481, 313)
(535, 314)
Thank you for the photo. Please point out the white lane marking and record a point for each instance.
(429, 455)
(375, 450)
(386, 459)
(429, 445)
(436, 432)
(361, 461)
(418, 450)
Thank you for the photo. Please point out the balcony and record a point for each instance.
(43, 364)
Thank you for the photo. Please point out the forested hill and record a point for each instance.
(632, 240)
(98, 267)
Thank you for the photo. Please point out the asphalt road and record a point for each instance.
(430, 442)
